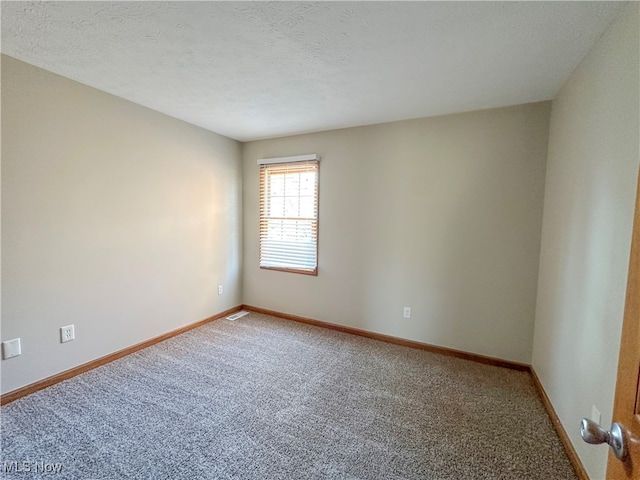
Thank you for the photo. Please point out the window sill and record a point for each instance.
(313, 273)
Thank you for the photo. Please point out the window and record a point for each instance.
(289, 214)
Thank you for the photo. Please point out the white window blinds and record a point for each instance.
(289, 214)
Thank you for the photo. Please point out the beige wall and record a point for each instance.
(115, 218)
(440, 214)
(590, 190)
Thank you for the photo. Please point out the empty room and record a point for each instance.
(320, 240)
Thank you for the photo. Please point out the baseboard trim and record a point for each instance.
(562, 433)
(395, 340)
(85, 367)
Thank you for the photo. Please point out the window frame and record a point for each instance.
(278, 163)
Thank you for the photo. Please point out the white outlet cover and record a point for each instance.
(11, 348)
(67, 334)
(220, 289)
(406, 312)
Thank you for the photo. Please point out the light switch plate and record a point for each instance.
(11, 348)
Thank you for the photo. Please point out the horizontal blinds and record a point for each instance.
(295, 158)
(289, 216)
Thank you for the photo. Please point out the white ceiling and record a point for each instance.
(252, 70)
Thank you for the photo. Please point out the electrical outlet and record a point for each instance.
(11, 348)
(67, 334)
(406, 313)
(220, 289)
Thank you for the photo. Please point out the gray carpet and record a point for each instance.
(265, 398)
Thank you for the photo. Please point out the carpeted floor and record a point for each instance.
(265, 398)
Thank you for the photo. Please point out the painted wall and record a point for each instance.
(115, 218)
(592, 171)
(440, 214)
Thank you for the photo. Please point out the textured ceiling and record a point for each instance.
(252, 70)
